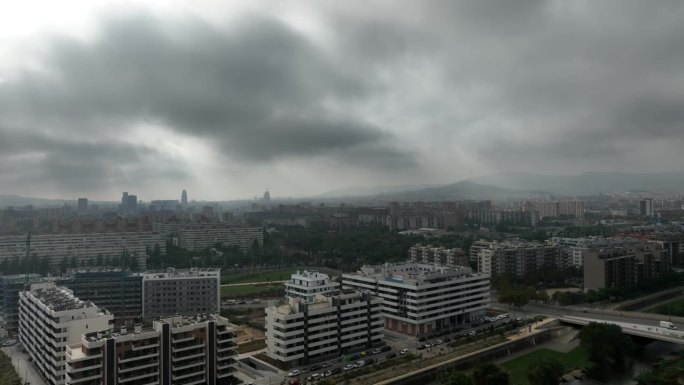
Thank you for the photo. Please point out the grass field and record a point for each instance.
(280, 275)
(250, 290)
(7, 374)
(674, 308)
(576, 358)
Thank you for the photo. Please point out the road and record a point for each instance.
(24, 369)
(252, 283)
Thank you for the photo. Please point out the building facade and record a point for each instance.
(50, 319)
(10, 286)
(517, 258)
(420, 299)
(309, 284)
(181, 292)
(86, 249)
(200, 236)
(439, 255)
(175, 351)
(120, 292)
(304, 332)
(624, 265)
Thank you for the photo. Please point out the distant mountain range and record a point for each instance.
(463, 190)
(588, 183)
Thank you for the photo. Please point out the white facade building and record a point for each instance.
(303, 332)
(308, 284)
(422, 298)
(50, 319)
(176, 350)
(574, 249)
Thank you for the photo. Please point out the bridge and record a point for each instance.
(635, 329)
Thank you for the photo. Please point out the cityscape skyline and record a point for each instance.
(227, 99)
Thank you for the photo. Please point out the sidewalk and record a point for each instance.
(27, 373)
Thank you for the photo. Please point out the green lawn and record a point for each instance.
(250, 290)
(280, 275)
(7, 374)
(576, 358)
(675, 308)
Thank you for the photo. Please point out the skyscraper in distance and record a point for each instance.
(184, 200)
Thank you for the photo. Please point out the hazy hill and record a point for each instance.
(18, 201)
(462, 190)
(357, 191)
(587, 183)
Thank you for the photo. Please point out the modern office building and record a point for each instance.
(50, 319)
(517, 258)
(303, 332)
(308, 284)
(85, 248)
(10, 286)
(181, 292)
(422, 298)
(624, 265)
(439, 255)
(118, 291)
(175, 350)
(184, 200)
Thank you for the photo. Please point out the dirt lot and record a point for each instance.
(248, 333)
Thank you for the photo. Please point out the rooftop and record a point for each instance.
(171, 273)
(59, 298)
(415, 273)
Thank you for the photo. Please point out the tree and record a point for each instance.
(547, 371)
(605, 343)
(455, 377)
(74, 262)
(490, 374)
(63, 265)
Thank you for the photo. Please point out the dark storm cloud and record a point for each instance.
(255, 90)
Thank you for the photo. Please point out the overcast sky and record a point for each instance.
(226, 99)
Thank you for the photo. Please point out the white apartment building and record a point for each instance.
(50, 319)
(181, 292)
(199, 236)
(175, 350)
(422, 298)
(86, 247)
(303, 332)
(308, 284)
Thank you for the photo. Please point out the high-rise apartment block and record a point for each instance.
(624, 265)
(184, 200)
(309, 284)
(308, 331)
(419, 298)
(554, 209)
(646, 208)
(181, 292)
(120, 292)
(438, 254)
(129, 204)
(82, 205)
(10, 286)
(517, 258)
(200, 236)
(574, 249)
(50, 319)
(175, 350)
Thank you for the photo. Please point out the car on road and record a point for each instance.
(294, 373)
(348, 367)
(472, 332)
(391, 355)
(404, 352)
(242, 302)
(231, 302)
(313, 377)
(359, 363)
(519, 318)
(256, 300)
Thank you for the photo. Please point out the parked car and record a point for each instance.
(348, 367)
(231, 302)
(326, 365)
(422, 338)
(294, 373)
(447, 340)
(316, 368)
(472, 333)
(336, 371)
(256, 300)
(376, 351)
(404, 352)
(368, 361)
(359, 363)
(421, 347)
(391, 355)
(386, 348)
(328, 373)
(242, 302)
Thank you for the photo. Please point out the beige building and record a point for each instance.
(624, 265)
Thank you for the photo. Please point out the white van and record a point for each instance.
(668, 325)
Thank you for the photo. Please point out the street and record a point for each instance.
(25, 369)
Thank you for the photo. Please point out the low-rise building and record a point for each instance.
(308, 284)
(438, 254)
(307, 331)
(420, 298)
(50, 319)
(176, 350)
(181, 292)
